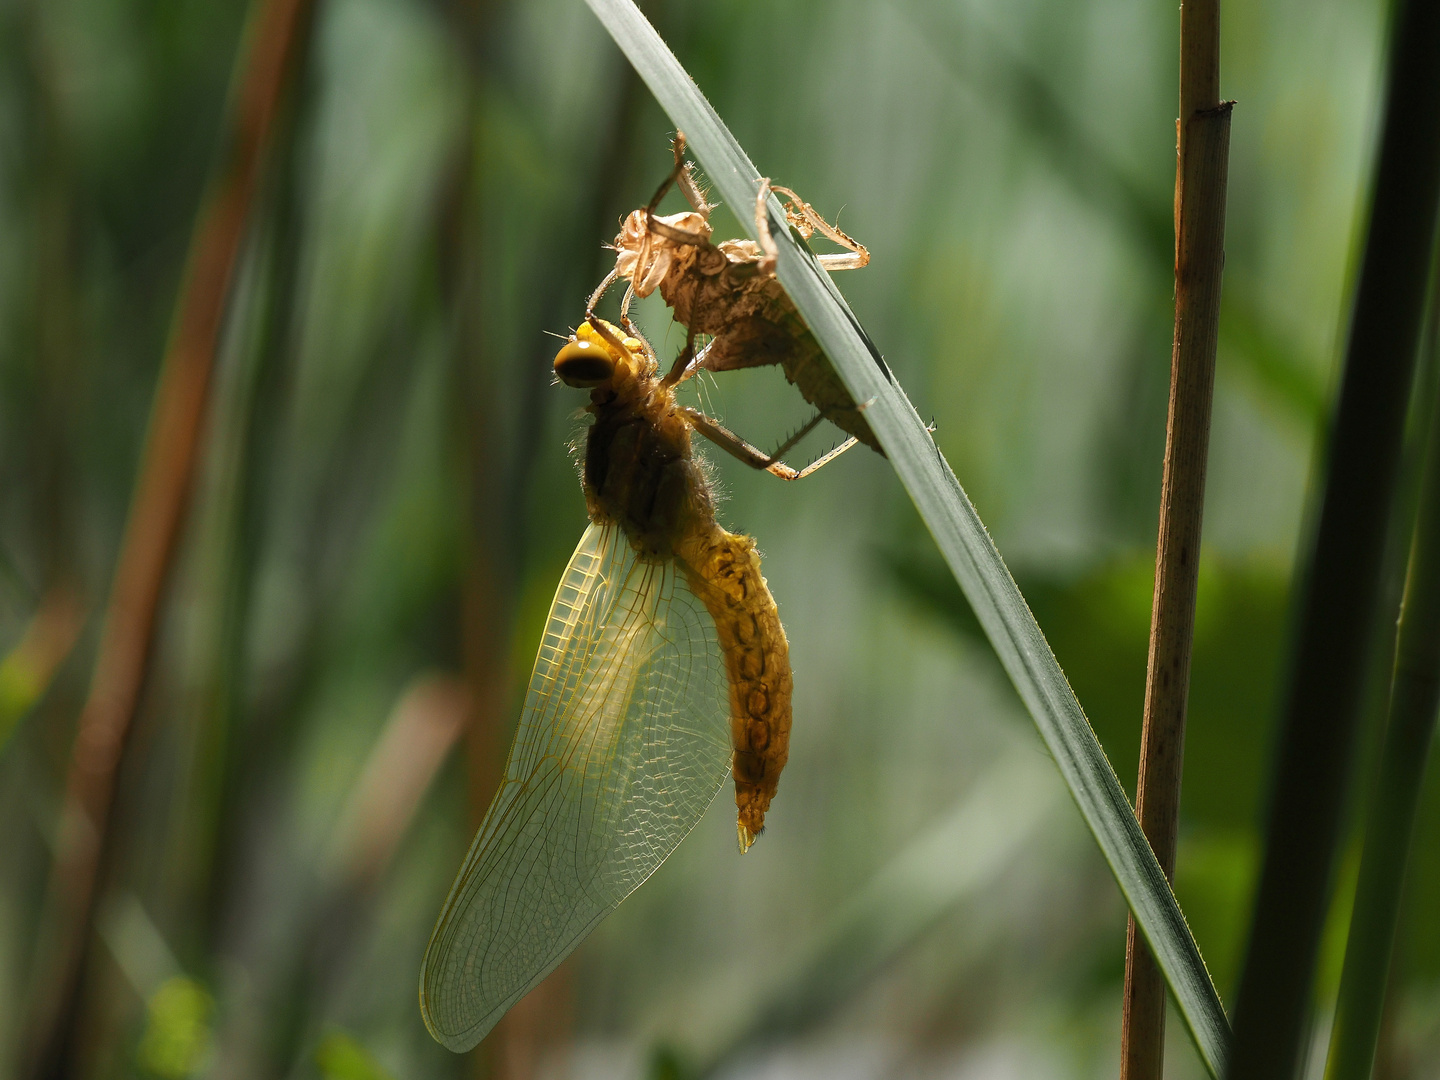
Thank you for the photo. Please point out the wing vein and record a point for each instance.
(622, 744)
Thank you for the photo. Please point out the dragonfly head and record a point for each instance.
(592, 358)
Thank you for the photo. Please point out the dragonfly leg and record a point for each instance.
(689, 361)
(600, 291)
(681, 367)
(807, 220)
(742, 451)
(799, 434)
(762, 228)
(684, 367)
(683, 174)
(672, 176)
(607, 332)
(603, 328)
(825, 459)
(686, 179)
(632, 329)
(625, 321)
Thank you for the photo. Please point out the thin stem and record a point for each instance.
(1414, 700)
(27, 670)
(242, 742)
(1200, 183)
(157, 512)
(1339, 605)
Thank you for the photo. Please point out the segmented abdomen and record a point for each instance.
(724, 572)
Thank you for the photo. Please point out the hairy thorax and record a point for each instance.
(639, 471)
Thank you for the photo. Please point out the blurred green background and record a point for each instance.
(388, 495)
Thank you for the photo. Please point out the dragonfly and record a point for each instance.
(729, 292)
(663, 667)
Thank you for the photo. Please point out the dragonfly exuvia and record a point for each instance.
(729, 291)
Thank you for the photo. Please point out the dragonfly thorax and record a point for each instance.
(638, 470)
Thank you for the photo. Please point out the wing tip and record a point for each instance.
(457, 1042)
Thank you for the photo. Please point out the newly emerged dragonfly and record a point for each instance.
(729, 291)
(663, 666)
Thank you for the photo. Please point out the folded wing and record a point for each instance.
(623, 743)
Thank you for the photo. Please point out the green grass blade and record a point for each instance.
(957, 530)
(1395, 795)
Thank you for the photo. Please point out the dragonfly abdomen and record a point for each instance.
(724, 572)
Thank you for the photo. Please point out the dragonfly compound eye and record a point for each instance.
(584, 363)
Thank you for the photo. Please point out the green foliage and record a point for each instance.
(340, 1057)
(19, 687)
(667, 1063)
(177, 1039)
(1215, 882)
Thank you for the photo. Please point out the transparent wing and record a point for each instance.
(622, 744)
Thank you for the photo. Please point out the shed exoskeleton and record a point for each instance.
(729, 292)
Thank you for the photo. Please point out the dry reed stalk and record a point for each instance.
(156, 516)
(1203, 136)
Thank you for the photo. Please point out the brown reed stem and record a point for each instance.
(157, 513)
(1203, 136)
